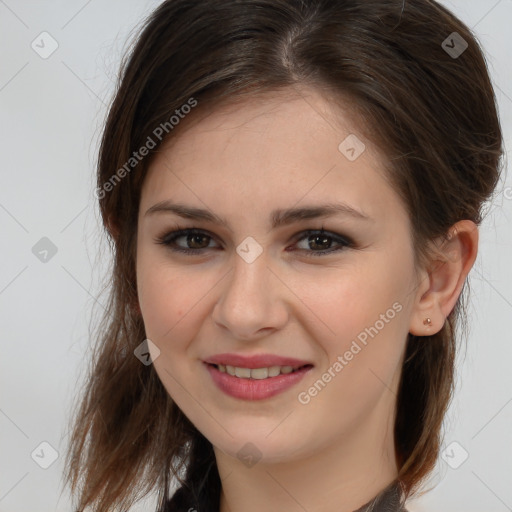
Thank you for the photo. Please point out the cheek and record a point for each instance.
(171, 298)
(348, 301)
(363, 313)
(164, 301)
(161, 294)
(363, 356)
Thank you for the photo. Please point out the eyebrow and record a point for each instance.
(278, 218)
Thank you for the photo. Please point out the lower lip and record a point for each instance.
(255, 389)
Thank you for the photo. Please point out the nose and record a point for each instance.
(252, 301)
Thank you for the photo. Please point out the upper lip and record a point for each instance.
(255, 361)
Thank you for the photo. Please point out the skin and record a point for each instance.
(241, 161)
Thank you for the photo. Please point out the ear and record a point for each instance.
(440, 284)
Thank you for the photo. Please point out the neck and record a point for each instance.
(340, 478)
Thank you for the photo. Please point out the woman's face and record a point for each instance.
(261, 284)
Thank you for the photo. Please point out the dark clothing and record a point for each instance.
(389, 500)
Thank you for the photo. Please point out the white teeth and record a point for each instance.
(254, 373)
(274, 371)
(244, 373)
(259, 373)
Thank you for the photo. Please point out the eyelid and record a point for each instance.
(178, 232)
(344, 241)
(331, 234)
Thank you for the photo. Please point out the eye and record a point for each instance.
(196, 241)
(321, 239)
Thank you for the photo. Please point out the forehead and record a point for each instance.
(297, 113)
(277, 149)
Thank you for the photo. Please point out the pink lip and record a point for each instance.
(255, 389)
(256, 361)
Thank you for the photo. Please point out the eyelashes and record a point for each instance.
(204, 238)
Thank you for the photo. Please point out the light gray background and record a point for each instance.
(51, 116)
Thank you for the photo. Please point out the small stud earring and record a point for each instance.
(427, 321)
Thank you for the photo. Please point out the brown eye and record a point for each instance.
(318, 243)
(195, 241)
(321, 242)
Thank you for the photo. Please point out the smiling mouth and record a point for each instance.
(258, 373)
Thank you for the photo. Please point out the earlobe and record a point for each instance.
(440, 285)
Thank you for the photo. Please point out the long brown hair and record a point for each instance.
(431, 112)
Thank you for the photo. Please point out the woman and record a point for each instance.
(293, 190)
